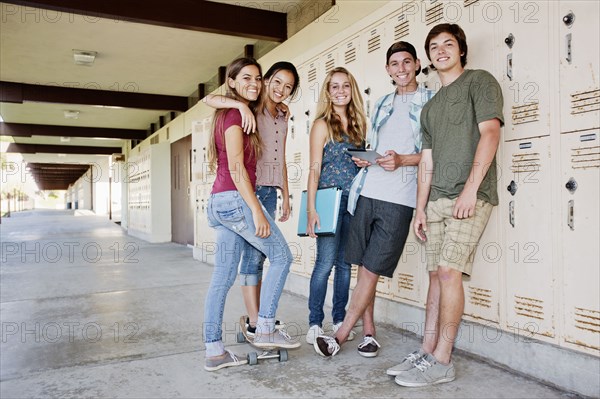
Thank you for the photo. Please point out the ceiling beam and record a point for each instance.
(13, 92)
(16, 148)
(197, 15)
(28, 130)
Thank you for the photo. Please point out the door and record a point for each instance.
(181, 205)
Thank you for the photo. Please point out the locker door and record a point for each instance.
(579, 65)
(406, 285)
(482, 287)
(580, 235)
(350, 57)
(527, 246)
(376, 82)
(524, 43)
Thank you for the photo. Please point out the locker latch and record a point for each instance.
(512, 188)
(570, 215)
(511, 213)
(571, 185)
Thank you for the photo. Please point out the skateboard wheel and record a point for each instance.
(283, 355)
(240, 337)
(252, 358)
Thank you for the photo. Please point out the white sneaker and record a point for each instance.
(337, 326)
(313, 332)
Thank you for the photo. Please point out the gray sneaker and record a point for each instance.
(407, 363)
(227, 359)
(277, 339)
(427, 371)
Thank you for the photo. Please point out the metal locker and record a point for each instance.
(579, 65)
(406, 285)
(374, 83)
(524, 35)
(527, 250)
(350, 58)
(580, 235)
(482, 288)
(383, 288)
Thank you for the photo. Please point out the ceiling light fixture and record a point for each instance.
(84, 57)
(71, 114)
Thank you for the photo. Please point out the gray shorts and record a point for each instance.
(378, 232)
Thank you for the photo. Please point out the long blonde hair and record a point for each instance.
(357, 121)
(233, 69)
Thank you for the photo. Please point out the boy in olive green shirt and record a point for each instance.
(457, 184)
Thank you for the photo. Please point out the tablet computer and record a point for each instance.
(367, 155)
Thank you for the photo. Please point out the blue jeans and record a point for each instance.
(231, 217)
(251, 267)
(330, 253)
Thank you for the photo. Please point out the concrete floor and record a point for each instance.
(88, 311)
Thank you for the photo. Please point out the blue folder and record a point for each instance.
(328, 207)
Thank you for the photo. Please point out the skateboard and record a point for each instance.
(267, 353)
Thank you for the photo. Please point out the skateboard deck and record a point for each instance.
(267, 352)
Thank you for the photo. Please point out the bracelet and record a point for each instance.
(310, 210)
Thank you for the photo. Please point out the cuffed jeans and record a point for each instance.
(330, 253)
(232, 219)
(251, 267)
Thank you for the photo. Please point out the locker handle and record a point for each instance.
(511, 213)
(571, 214)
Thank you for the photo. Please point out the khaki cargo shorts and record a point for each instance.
(452, 242)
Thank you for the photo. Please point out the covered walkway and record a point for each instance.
(88, 311)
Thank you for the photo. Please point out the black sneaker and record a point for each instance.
(278, 326)
(369, 347)
(326, 346)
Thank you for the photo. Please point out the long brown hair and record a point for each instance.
(357, 121)
(233, 69)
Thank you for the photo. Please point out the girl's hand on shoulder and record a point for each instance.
(248, 119)
(263, 229)
(285, 109)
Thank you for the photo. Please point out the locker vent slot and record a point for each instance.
(312, 74)
(585, 157)
(586, 101)
(401, 30)
(470, 2)
(526, 162)
(354, 272)
(529, 307)
(329, 65)
(586, 319)
(350, 55)
(525, 113)
(406, 282)
(374, 42)
(480, 297)
(297, 260)
(155, 139)
(434, 14)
